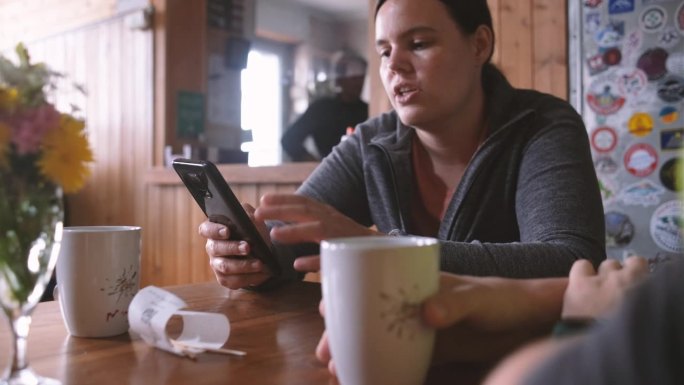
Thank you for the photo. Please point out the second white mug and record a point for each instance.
(373, 288)
(98, 273)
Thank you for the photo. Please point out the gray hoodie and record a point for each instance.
(528, 204)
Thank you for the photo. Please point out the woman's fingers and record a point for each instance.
(311, 263)
(283, 199)
(323, 349)
(217, 248)
(313, 231)
(241, 281)
(212, 230)
(237, 273)
(227, 266)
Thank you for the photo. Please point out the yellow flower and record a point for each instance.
(9, 98)
(5, 135)
(66, 155)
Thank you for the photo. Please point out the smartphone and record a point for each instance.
(212, 193)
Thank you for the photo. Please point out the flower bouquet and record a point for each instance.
(42, 153)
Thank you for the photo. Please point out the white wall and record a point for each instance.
(295, 23)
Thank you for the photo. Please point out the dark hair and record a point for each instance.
(467, 14)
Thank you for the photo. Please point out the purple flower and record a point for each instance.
(30, 126)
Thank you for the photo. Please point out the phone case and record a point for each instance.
(214, 196)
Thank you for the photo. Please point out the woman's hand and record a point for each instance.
(231, 259)
(307, 220)
(592, 294)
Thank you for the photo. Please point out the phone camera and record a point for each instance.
(198, 183)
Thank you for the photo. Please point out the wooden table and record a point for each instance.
(279, 331)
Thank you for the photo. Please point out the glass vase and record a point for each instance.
(31, 216)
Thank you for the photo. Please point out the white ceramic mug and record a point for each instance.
(373, 288)
(98, 273)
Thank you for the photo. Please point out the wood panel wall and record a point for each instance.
(114, 64)
(531, 47)
(27, 20)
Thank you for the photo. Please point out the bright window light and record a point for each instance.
(262, 108)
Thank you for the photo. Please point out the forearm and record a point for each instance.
(518, 260)
(497, 315)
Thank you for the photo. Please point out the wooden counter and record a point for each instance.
(173, 252)
(288, 173)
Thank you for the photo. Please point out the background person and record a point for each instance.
(327, 119)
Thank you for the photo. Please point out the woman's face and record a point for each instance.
(429, 68)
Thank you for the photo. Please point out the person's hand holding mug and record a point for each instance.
(482, 318)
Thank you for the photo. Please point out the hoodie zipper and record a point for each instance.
(504, 128)
(395, 188)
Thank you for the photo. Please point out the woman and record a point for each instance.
(502, 177)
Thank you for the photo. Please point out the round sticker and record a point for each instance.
(612, 56)
(605, 165)
(604, 139)
(640, 124)
(671, 89)
(675, 63)
(619, 229)
(652, 62)
(653, 19)
(679, 19)
(632, 82)
(669, 115)
(641, 159)
(669, 38)
(604, 97)
(666, 228)
(671, 174)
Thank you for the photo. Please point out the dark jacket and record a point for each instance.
(528, 204)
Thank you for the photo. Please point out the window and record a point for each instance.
(262, 107)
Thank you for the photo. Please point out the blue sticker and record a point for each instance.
(620, 6)
(671, 139)
(610, 36)
(668, 115)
